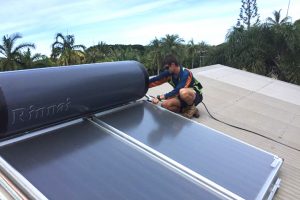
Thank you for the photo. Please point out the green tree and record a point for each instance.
(172, 44)
(27, 60)
(247, 49)
(277, 20)
(191, 52)
(248, 14)
(11, 52)
(91, 55)
(297, 24)
(202, 51)
(127, 53)
(217, 54)
(98, 53)
(65, 52)
(103, 50)
(156, 55)
(267, 50)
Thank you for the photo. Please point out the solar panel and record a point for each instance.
(232, 164)
(81, 161)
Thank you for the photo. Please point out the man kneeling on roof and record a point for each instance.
(186, 94)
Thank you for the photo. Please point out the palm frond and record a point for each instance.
(80, 46)
(60, 35)
(22, 46)
(15, 36)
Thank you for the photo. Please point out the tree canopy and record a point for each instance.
(271, 48)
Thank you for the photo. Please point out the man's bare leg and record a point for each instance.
(188, 95)
(172, 104)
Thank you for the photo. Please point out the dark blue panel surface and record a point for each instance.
(83, 162)
(240, 168)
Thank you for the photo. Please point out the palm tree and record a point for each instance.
(191, 50)
(27, 60)
(91, 55)
(276, 20)
(12, 54)
(202, 48)
(98, 53)
(127, 53)
(103, 49)
(172, 45)
(250, 49)
(65, 50)
(156, 54)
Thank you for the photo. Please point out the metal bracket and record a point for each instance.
(275, 162)
(274, 189)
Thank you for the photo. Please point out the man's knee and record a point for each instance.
(165, 104)
(183, 92)
(187, 95)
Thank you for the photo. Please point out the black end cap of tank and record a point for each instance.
(146, 77)
(3, 114)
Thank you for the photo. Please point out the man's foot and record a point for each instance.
(197, 113)
(190, 111)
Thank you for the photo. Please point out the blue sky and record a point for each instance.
(127, 22)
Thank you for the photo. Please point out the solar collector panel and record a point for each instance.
(82, 161)
(238, 167)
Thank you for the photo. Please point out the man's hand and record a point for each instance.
(158, 99)
(161, 97)
(155, 100)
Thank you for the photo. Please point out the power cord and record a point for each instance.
(247, 129)
(149, 98)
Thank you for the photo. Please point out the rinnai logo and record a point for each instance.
(34, 113)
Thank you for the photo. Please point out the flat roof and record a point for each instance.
(261, 104)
